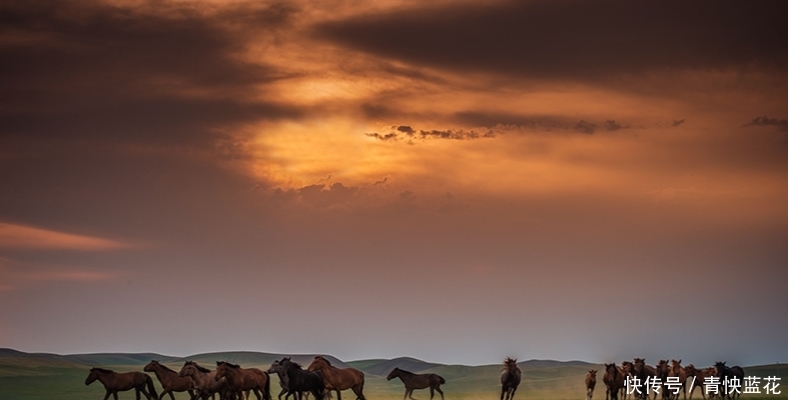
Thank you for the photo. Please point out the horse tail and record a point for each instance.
(151, 388)
(442, 380)
(267, 387)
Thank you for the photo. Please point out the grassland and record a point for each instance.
(26, 376)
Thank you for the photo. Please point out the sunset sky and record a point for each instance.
(569, 179)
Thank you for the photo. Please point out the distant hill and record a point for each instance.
(383, 367)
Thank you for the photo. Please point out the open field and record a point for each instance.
(26, 376)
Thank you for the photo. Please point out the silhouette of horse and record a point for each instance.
(510, 378)
(417, 381)
(614, 381)
(203, 380)
(339, 378)
(299, 380)
(120, 382)
(724, 372)
(169, 379)
(241, 379)
(590, 383)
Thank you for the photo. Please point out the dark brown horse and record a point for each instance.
(590, 383)
(614, 381)
(642, 371)
(677, 371)
(418, 381)
(339, 378)
(301, 381)
(241, 379)
(697, 377)
(169, 379)
(120, 382)
(726, 373)
(510, 378)
(663, 370)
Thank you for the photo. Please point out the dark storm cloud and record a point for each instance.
(576, 39)
(585, 127)
(162, 74)
(780, 124)
(490, 119)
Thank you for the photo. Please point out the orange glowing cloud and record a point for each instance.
(15, 236)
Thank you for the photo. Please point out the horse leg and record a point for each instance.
(106, 396)
(339, 394)
(115, 395)
(439, 391)
(411, 395)
(432, 392)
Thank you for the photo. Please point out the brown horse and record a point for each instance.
(642, 371)
(203, 380)
(698, 378)
(677, 371)
(169, 379)
(417, 381)
(241, 379)
(663, 370)
(590, 383)
(339, 378)
(120, 382)
(614, 381)
(510, 378)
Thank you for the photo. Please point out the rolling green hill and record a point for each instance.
(33, 376)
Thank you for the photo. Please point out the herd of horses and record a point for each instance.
(231, 382)
(617, 377)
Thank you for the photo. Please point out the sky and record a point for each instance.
(567, 180)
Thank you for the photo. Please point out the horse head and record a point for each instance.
(592, 372)
(394, 373)
(92, 376)
(151, 366)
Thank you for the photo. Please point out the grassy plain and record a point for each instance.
(26, 376)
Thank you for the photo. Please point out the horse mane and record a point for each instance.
(231, 365)
(166, 368)
(198, 366)
(509, 364)
(405, 372)
(103, 370)
(324, 359)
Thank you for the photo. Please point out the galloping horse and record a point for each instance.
(339, 378)
(663, 370)
(203, 380)
(590, 383)
(643, 372)
(279, 370)
(614, 380)
(169, 379)
(418, 381)
(120, 382)
(676, 370)
(699, 379)
(510, 378)
(299, 380)
(241, 379)
(724, 372)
